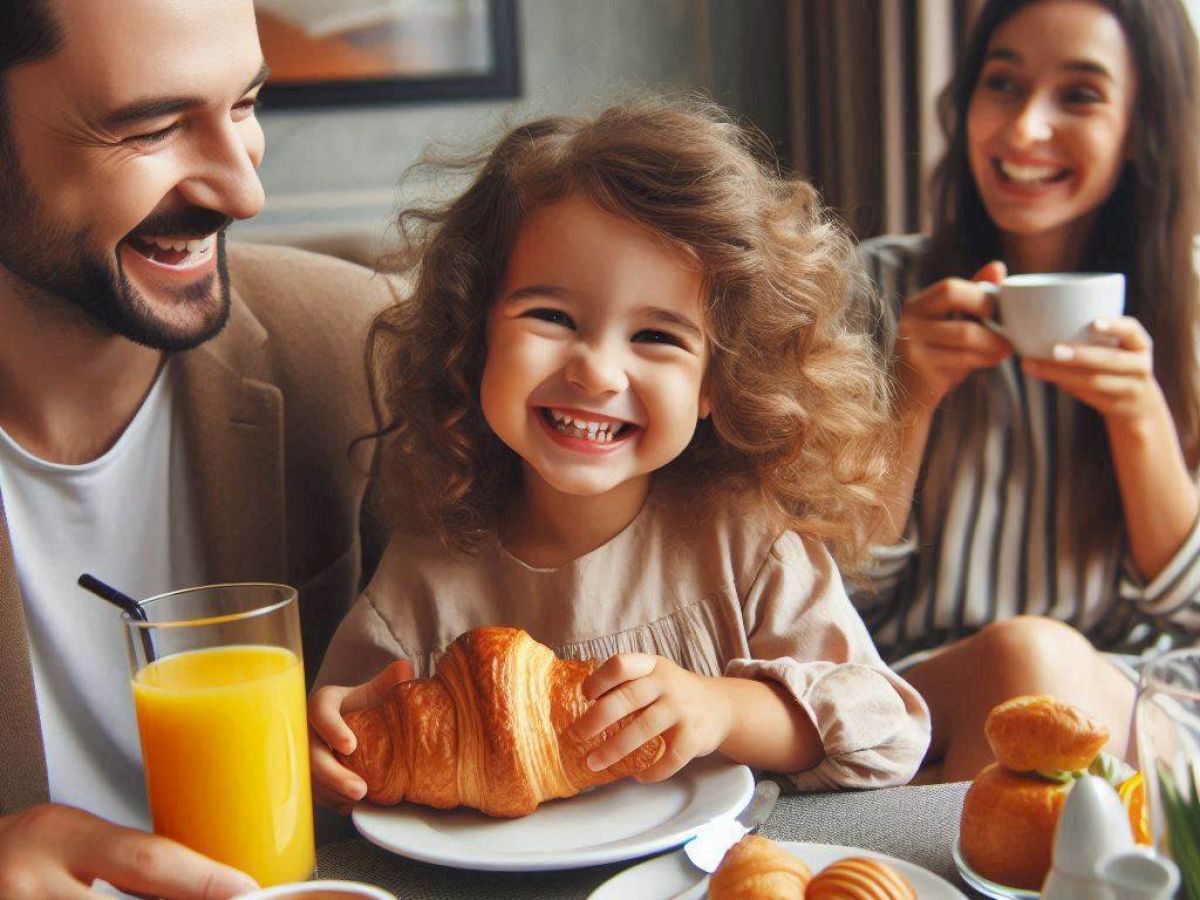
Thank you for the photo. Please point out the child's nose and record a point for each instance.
(597, 371)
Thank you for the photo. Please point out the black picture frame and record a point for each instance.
(504, 79)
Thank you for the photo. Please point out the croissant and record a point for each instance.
(756, 868)
(860, 878)
(489, 730)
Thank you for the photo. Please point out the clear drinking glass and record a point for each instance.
(218, 685)
(1167, 723)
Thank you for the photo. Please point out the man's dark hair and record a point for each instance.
(28, 32)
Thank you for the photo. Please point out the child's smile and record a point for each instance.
(588, 432)
(596, 350)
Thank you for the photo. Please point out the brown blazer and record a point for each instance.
(271, 405)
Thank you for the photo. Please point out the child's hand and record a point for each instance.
(690, 711)
(333, 783)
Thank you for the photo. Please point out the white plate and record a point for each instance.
(986, 887)
(622, 820)
(671, 875)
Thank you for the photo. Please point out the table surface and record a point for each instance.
(918, 824)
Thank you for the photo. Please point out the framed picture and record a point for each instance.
(359, 52)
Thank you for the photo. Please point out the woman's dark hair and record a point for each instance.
(1145, 229)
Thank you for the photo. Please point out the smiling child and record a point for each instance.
(628, 390)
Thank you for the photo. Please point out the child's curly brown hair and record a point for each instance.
(799, 396)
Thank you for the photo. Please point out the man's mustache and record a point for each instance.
(193, 222)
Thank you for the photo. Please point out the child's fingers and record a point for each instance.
(622, 700)
(677, 755)
(377, 689)
(331, 776)
(616, 670)
(649, 723)
(325, 718)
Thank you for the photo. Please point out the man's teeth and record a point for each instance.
(197, 245)
(603, 432)
(1029, 174)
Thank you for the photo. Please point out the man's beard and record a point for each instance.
(59, 261)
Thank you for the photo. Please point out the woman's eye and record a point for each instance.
(1082, 96)
(153, 137)
(650, 336)
(1000, 84)
(553, 316)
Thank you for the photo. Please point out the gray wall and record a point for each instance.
(331, 175)
(337, 170)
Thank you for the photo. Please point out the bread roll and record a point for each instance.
(1040, 734)
(756, 868)
(1007, 828)
(859, 878)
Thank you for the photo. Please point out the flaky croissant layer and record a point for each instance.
(489, 730)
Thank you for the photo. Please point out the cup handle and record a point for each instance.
(990, 287)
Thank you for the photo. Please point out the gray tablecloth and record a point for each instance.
(913, 823)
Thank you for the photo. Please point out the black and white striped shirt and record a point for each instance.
(992, 550)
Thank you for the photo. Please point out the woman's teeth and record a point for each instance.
(1029, 175)
(600, 432)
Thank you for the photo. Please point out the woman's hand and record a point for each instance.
(939, 344)
(333, 784)
(1116, 380)
(690, 711)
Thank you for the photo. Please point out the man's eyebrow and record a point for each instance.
(1075, 65)
(145, 110)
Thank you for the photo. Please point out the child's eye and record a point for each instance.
(650, 336)
(553, 316)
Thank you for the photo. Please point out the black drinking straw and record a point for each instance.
(121, 601)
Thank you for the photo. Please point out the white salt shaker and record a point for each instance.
(1095, 857)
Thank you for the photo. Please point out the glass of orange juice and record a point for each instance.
(218, 685)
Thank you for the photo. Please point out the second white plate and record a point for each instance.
(623, 820)
(671, 875)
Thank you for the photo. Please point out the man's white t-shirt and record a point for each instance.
(127, 519)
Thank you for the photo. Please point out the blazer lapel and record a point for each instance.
(234, 432)
(23, 776)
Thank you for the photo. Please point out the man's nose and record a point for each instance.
(1034, 122)
(597, 370)
(226, 172)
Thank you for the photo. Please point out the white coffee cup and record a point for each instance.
(1040, 310)
(320, 890)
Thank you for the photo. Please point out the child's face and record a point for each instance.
(596, 351)
(1048, 123)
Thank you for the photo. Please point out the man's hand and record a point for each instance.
(51, 851)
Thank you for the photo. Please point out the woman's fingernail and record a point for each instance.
(1063, 353)
(1102, 325)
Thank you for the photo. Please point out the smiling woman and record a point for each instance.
(1047, 508)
